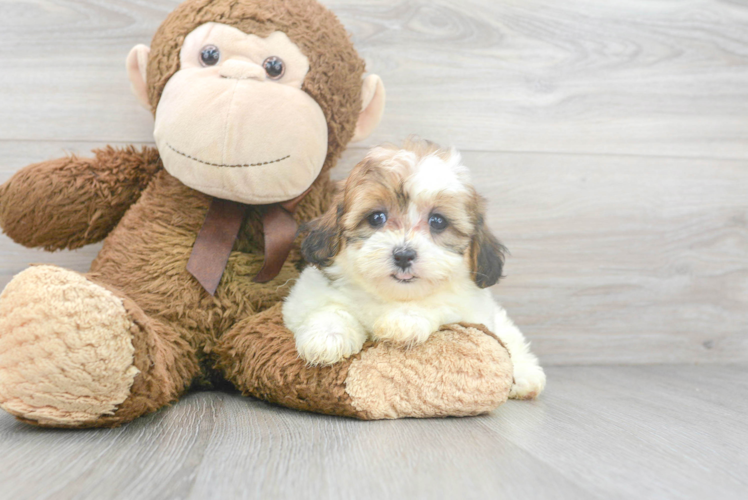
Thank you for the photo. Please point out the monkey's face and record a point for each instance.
(234, 122)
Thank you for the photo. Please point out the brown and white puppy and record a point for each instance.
(403, 250)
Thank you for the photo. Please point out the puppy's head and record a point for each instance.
(406, 223)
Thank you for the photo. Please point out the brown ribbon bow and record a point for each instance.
(217, 236)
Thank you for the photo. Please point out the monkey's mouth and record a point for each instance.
(241, 165)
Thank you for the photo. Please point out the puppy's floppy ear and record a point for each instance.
(486, 256)
(322, 236)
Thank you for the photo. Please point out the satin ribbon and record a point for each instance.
(217, 236)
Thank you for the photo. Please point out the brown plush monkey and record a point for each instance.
(254, 102)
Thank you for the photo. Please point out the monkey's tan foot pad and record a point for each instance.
(459, 371)
(66, 353)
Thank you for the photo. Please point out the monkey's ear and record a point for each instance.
(372, 107)
(486, 257)
(137, 62)
(322, 237)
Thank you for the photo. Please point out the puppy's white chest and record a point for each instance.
(436, 310)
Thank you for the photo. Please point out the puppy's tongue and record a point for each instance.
(403, 276)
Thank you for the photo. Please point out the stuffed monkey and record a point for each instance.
(254, 101)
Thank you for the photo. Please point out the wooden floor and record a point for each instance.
(599, 432)
(611, 139)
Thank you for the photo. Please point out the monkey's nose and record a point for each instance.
(241, 70)
(404, 257)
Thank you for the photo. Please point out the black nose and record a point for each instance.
(404, 257)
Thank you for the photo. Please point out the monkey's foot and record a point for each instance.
(66, 352)
(460, 370)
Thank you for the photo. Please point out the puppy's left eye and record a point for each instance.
(438, 222)
(377, 219)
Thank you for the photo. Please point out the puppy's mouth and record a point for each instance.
(404, 277)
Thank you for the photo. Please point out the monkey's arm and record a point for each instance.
(71, 202)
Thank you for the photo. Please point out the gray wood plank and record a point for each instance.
(639, 432)
(330, 458)
(613, 259)
(598, 432)
(214, 445)
(638, 77)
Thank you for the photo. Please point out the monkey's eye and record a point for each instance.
(274, 67)
(438, 222)
(377, 219)
(210, 55)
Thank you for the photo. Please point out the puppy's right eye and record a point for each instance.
(377, 219)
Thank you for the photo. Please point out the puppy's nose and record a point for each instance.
(404, 257)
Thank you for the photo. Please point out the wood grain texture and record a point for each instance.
(664, 77)
(631, 432)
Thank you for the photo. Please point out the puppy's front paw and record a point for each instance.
(529, 381)
(329, 336)
(404, 327)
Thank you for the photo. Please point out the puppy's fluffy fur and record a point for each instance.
(403, 250)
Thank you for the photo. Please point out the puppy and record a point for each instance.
(402, 250)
